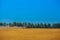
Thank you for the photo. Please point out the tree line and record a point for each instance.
(30, 25)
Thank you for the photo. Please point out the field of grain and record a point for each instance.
(29, 34)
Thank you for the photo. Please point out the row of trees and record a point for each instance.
(30, 25)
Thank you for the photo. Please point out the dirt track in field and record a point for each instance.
(29, 34)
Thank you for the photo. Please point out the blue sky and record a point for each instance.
(46, 11)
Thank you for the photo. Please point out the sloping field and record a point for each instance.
(29, 34)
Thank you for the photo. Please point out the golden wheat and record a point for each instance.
(29, 34)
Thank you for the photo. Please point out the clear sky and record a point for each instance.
(46, 11)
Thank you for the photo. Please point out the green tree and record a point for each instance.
(1, 24)
(57, 25)
(49, 26)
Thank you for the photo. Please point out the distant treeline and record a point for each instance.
(30, 25)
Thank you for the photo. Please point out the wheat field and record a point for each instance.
(29, 34)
